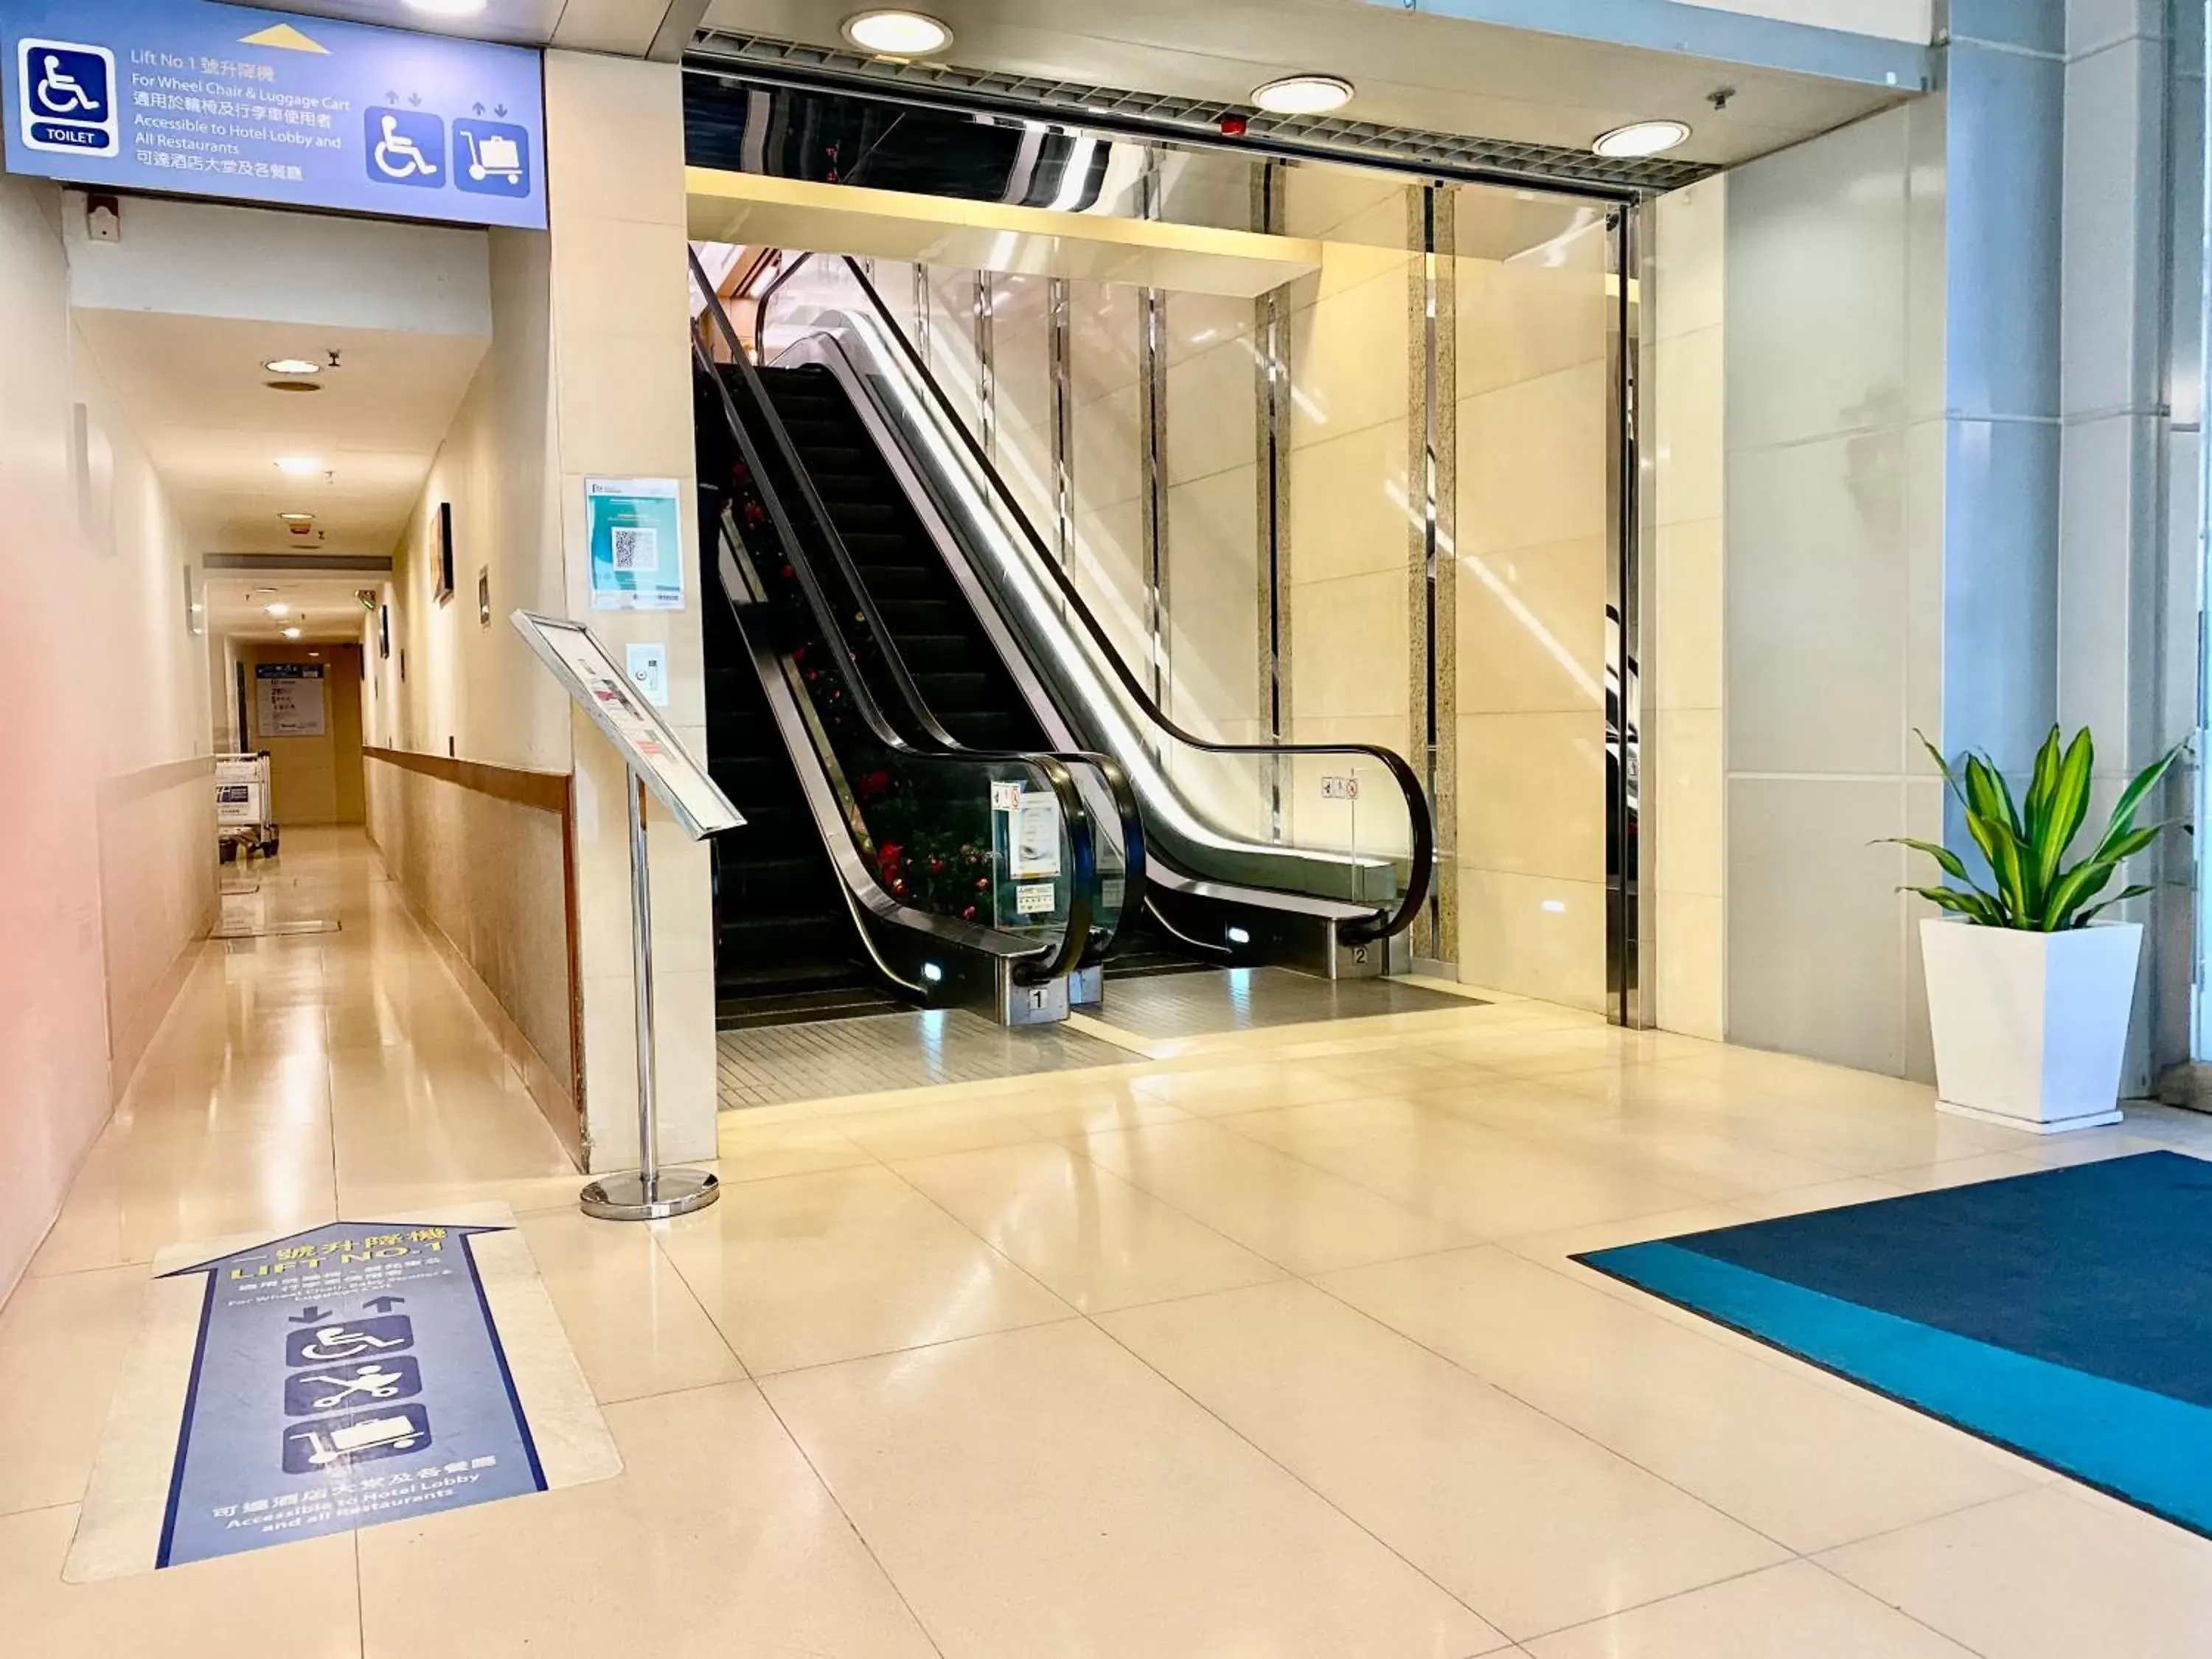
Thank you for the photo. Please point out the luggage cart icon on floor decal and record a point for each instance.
(241, 805)
(358, 1438)
(493, 155)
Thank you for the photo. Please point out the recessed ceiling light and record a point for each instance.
(291, 632)
(280, 609)
(292, 366)
(1640, 138)
(897, 34)
(1303, 95)
(447, 7)
(299, 467)
(297, 518)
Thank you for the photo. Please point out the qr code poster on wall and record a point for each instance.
(637, 559)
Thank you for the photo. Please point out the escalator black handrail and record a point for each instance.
(1114, 776)
(1076, 941)
(1423, 853)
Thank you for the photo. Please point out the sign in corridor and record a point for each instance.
(344, 1376)
(350, 1375)
(194, 97)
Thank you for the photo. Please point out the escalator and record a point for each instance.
(1310, 856)
(785, 944)
(961, 679)
(874, 870)
(955, 664)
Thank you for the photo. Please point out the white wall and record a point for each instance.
(107, 852)
(588, 375)
(194, 258)
(481, 687)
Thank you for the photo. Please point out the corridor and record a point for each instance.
(1269, 1348)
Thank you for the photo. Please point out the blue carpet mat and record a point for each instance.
(2066, 1316)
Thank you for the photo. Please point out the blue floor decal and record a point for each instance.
(344, 1376)
(2066, 1316)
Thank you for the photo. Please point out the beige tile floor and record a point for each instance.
(1270, 1348)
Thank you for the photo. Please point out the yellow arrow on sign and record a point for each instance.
(285, 38)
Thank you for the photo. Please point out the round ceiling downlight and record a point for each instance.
(1640, 138)
(1303, 94)
(897, 34)
(293, 366)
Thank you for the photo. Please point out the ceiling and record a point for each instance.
(632, 28)
(1413, 69)
(195, 394)
(322, 608)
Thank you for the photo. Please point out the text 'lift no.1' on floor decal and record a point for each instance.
(351, 1374)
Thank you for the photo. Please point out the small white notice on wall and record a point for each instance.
(288, 699)
(649, 671)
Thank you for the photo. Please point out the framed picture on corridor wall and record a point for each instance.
(445, 551)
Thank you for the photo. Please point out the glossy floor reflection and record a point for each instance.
(1272, 1349)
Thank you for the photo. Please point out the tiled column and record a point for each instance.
(1685, 767)
(1833, 646)
(2112, 545)
(623, 409)
(1982, 489)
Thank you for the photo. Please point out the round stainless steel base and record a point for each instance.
(625, 1197)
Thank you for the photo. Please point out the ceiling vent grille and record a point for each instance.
(1078, 103)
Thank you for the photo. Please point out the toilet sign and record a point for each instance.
(355, 1373)
(192, 97)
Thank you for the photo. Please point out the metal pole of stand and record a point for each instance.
(653, 1194)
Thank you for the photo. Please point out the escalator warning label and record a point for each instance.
(1034, 899)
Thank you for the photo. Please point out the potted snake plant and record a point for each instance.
(2029, 990)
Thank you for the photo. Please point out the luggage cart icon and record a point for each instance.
(493, 155)
(358, 1438)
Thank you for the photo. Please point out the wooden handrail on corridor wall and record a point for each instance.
(543, 792)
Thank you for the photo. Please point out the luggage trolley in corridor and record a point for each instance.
(242, 818)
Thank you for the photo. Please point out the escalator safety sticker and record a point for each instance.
(1005, 796)
(1035, 850)
(355, 1373)
(1034, 899)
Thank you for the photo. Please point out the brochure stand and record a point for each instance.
(657, 761)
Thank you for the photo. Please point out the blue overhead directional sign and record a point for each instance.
(345, 1375)
(189, 97)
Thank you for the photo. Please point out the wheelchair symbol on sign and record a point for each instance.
(58, 92)
(398, 155)
(327, 1344)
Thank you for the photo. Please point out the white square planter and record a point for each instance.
(2031, 1029)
